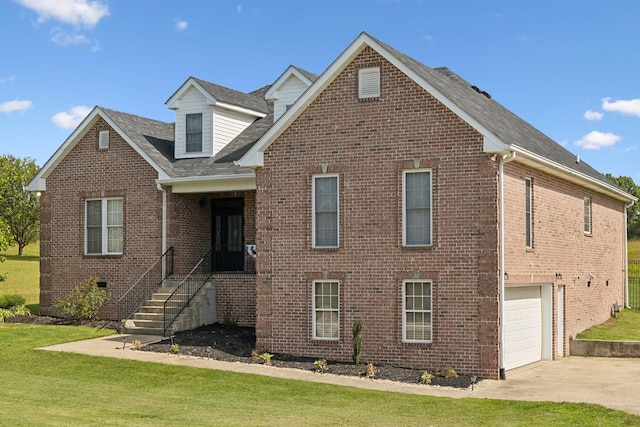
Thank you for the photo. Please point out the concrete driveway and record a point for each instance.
(611, 382)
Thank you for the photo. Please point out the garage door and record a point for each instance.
(523, 326)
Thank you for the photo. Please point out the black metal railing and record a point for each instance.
(145, 286)
(633, 270)
(232, 259)
(188, 288)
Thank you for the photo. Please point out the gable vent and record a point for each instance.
(103, 140)
(369, 83)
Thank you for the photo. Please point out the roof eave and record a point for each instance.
(211, 184)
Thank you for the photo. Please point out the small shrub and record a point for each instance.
(17, 310)
(265, 357)
(255, 354)
(426, 377)
(175, 348)
(9, 301)
(371, 370)
(229, 321)
(5, 314)
(449, 373)
(321, 365)
(84, 301)
(357, 340)
(136, 344)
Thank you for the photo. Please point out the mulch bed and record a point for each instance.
(235, 344)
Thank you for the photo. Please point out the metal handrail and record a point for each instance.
(188, 288)
(145, 286)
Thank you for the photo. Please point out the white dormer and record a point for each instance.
(208, 117)
(286, 90)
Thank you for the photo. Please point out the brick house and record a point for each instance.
(382, 190)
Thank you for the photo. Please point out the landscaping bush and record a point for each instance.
(84, 302)
(9, 301)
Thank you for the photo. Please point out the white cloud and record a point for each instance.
(629, 107)
(81, 13)
(593, 115)
(15, 105)
(181, 24)
(72, 118)
(10, 79)
(62, 38)
(596, 140)
(239, 8)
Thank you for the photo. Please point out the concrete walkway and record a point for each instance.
(611, 382)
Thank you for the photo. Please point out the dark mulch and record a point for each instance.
(235, 344)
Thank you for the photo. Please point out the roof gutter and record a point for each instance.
(506, 158)
(626, 254)
(164, 226)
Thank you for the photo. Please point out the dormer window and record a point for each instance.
(369, 83)
(194, 133)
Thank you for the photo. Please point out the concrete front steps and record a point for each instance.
(149, 319)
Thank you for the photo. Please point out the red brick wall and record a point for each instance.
(236, 298)
(89, 172)
(369, 144)
(561, 246)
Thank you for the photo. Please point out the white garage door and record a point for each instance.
(523, 326)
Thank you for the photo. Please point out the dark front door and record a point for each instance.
(228, 240)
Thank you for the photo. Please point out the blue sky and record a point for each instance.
(570, 68)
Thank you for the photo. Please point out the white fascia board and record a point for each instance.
(211, 184)
(291, 70)
(39, 182)
(254, 158)
(570, 175)
(238, 109)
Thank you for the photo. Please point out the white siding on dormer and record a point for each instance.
(287, 94)
(193, 102)
(227, 125)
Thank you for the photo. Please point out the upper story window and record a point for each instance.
(104, 227)
(194, 133)
(325, 211)
(369, 83)
(587, 215)
(416, 208)
(528, 212)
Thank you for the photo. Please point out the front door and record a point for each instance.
(228, 238)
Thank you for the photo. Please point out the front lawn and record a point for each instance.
(24, 274)
(61, 389)
(625, 327)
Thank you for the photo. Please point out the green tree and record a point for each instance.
(19, 209)
(633, 213)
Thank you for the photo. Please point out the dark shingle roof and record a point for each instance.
(498, 120)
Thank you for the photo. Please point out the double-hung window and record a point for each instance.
(416, 311)
(527, 213)
(325, 211)
(587, 215)
(326, 309)
(104, 228)
(416, 208)
(194, 133)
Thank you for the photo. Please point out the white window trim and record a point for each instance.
(314, 310)
(529, 224)
(404, 207)
(587, 221)
(404, 310)
(313, 210)
(186, 133)
(103, 225)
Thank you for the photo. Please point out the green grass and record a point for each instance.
(625, 327)
(633, 249)
(62, 389)
(24, 274)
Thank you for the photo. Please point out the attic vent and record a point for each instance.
(103, 140)
(369, 83)
(485, 93)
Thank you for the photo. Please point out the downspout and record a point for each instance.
(506, 158)
(626, 254)
(164, 226)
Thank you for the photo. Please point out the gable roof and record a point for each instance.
(502, 130)
(222, 96)
(305, 76)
